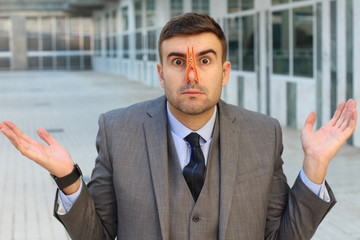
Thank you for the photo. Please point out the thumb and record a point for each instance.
(45, 135)
(310, 121)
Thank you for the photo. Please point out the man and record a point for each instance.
(152, 180)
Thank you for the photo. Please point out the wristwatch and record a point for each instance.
(69, 179)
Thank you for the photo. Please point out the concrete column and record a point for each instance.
(262, 7)
(18, 46)
(218, 8)
(356, 29)
(187, 6)
(341, 50)
(326, 60)
(162, 12)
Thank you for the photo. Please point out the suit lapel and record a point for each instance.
(155, 128)
(232, 143)
(228, 156)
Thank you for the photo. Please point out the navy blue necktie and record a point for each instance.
(194, 172)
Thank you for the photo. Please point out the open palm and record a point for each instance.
(53, 156)
(320, 146)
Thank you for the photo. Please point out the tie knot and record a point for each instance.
(193, 139)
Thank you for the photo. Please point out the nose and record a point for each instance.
(191, 76)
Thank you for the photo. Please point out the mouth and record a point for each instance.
(192, 92)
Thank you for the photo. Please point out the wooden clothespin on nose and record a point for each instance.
(191, 64)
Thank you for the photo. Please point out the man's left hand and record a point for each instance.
(321, 146)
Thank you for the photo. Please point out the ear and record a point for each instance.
(226, 72)
(160, 74)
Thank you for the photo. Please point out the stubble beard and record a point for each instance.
(192, 106)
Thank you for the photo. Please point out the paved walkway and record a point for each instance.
(68, 105)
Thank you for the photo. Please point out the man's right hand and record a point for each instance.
(53, 156)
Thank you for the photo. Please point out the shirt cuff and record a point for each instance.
(65, 202)
(319, 190)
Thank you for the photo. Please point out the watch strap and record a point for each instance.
(69, 179)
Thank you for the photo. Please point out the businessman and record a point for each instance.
(188, 165)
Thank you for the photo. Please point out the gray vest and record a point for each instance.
(190, 220)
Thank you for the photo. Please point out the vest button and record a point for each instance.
(196, 219)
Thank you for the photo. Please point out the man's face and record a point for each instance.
(193, 97)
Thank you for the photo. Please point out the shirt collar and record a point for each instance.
(182, 131)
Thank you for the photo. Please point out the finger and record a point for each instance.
(352, 123)
(18, 143)
(310, 121)
(346, 114)
(17, 132)
(337, 113)
(45, 135)
(9, 134)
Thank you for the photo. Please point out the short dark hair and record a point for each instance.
(190, 24)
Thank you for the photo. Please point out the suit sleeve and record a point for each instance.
(94, 214)
(292, 213)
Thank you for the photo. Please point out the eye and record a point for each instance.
(178, 62)
(205, 61)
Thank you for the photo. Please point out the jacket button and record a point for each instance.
(196, 219)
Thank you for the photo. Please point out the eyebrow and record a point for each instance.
(207, 51)
(178, 54)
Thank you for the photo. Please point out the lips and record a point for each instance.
(192, 92)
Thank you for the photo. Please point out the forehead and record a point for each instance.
(200, 42)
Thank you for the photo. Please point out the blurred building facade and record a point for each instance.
(289, 57)
(46, 34)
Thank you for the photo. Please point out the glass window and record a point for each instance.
(114, 34)
(61, 62)
(138, 14)
(126, 46)
(280, 32)
(303, 41)
(87, 24)
(333, 56)
(114, 22)
(33, 62)
(233, 6)
(291, 97)
(75, 62)
(87, 62)
(61, 40)
(241, 91)
(109, 46)
(114, 44)
(238, 5)
(125, 24)
(32, 34)
(247, 4)
(74, 34)
(319, 70)
(47, 34)
(233, 42)
(150, 13)
(201, 6)
(276, 2)
(139, 47)
(349, 49)
(152, 45)
(97, 36)
(47, 62)
(4, 63)
(248, 44)
(4, 36)
(176, 7)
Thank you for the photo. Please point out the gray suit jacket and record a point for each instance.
(128, 195)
